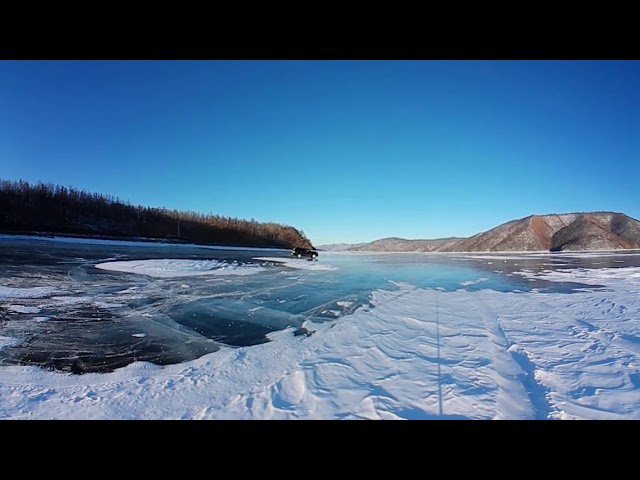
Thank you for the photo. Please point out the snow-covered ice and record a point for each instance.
(32, 292)
(427, 348)
(168, 268)
(8, 342)
(413, 354)
(22, 309)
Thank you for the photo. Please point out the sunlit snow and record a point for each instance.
(167, 268)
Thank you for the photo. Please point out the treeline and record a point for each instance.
(54, 209)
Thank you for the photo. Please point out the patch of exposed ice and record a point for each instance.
(32, 292)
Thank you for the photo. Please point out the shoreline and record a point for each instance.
(625, 251)
(124, 241)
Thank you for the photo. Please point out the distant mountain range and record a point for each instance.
(395, 244)
(556, 232)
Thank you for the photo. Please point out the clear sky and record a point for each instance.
(347, 151)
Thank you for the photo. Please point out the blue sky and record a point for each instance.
(347, 151)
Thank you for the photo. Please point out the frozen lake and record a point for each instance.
(187, 332)
(95, 307)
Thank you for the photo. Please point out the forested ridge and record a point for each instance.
(45, 208)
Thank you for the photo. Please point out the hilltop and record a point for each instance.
(554, 232)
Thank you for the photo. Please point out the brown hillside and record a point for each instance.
(555, 232)
(594, 232)
(569, 231)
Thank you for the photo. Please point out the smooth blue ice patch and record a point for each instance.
(449, 273)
